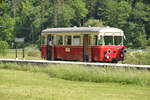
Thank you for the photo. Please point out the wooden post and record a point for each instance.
(16, 51)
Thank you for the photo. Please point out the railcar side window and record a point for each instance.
(98, 40)
(59, 40)
(68, 40)
(76, 40)
(95, 40)
(108, 40)
(118, 40)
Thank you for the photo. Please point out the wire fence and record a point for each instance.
(29, 53)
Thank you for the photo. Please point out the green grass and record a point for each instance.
(23, 85)
(88, 74)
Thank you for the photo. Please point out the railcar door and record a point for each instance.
(86, 48)
(49, 47)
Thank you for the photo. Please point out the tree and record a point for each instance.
(6, 32)
(80, 12)
(91, 6)
(26, 18)
(29, 21)
(116, 13)
(135, 35)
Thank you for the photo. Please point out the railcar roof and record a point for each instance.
(80, 29)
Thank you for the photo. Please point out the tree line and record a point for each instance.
(26, 18)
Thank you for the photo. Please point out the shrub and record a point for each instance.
(3, 47)
(33, 53)
(141, 57)
(32, 50)
(94, 22)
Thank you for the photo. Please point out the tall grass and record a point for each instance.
(91, 74)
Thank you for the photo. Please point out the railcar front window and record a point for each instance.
(118, 40)
(108, 40)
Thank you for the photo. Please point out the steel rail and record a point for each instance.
(73, 62)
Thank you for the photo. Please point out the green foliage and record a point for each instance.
(33, 53)
(136, 37)
(94, 22)
(140, 57)
(30, 21)
(80, 11)
(116, 13)
(66, 16)
(3, 47)
(27, 18)
(6, 32)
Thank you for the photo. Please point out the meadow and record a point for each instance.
(26, 85)
(87, 73)
(72, 82)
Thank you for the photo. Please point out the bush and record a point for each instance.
(3, 47)
(141, 57)
(94, 22)
(33, 53)
(32, 50)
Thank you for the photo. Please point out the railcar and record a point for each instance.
(88, 44)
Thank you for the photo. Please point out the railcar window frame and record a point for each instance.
(111, 41)
(95, 40)
(59, 41)
(119, 43)
(67, 40)
(98, 40)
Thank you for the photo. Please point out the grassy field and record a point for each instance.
(23, 85)
(87, 74)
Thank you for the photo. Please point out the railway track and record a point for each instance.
(72, 62)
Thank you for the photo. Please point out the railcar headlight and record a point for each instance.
(121, 55)
(109, 51)
(124, 51)
(107, 57)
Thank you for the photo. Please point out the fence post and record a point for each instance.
(16, 51)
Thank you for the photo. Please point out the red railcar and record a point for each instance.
(90, 44)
